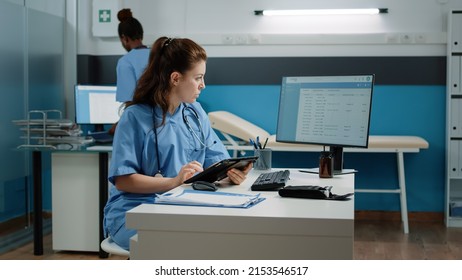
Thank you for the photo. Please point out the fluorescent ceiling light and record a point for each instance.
(373, 11)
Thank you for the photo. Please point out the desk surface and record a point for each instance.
(281, 224)
(100, 148)
(274, 205)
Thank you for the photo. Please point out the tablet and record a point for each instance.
(217, 171)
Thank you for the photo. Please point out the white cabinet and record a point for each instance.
(455, 117)
(75, 201)
(455, 74)
(454, 120)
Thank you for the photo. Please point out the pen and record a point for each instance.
(258, 142)
(253, 143)
(266, 141)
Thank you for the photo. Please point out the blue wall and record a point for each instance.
(409, 99)
(396, 110)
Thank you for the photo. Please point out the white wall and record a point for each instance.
(230, 28)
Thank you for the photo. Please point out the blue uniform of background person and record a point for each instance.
(130, 67)
(134, 151)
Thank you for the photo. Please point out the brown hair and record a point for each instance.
(129, 26)
(167, 55)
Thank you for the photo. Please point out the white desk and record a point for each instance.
(277, 228)
(377, 144)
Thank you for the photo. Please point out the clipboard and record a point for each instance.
(209, 199)
(218, 170)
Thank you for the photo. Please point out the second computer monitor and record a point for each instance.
(96, 105)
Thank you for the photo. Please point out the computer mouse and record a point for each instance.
(204, 186)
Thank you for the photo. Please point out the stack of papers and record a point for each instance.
(212, 199)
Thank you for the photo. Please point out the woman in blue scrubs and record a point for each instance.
(132, 64)
(164, 136)
(130, 67)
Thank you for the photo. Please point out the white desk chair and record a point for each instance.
(111, 247)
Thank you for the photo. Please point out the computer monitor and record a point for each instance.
(96, 105)
(332, 111)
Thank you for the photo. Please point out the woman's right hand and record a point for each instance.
(188, 170)
(139, 183)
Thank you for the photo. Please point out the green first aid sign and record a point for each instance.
(104, 15)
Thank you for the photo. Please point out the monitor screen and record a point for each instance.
(325, 110)
(96, 105)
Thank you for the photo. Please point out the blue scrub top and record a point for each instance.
(130, 67)
(134, 151)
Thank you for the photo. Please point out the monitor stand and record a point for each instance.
(337, 153)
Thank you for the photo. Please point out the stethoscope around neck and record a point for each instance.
(200, 139)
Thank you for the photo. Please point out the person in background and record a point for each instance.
(164, 136)
(132, 64)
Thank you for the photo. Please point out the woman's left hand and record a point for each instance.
(237, 176)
